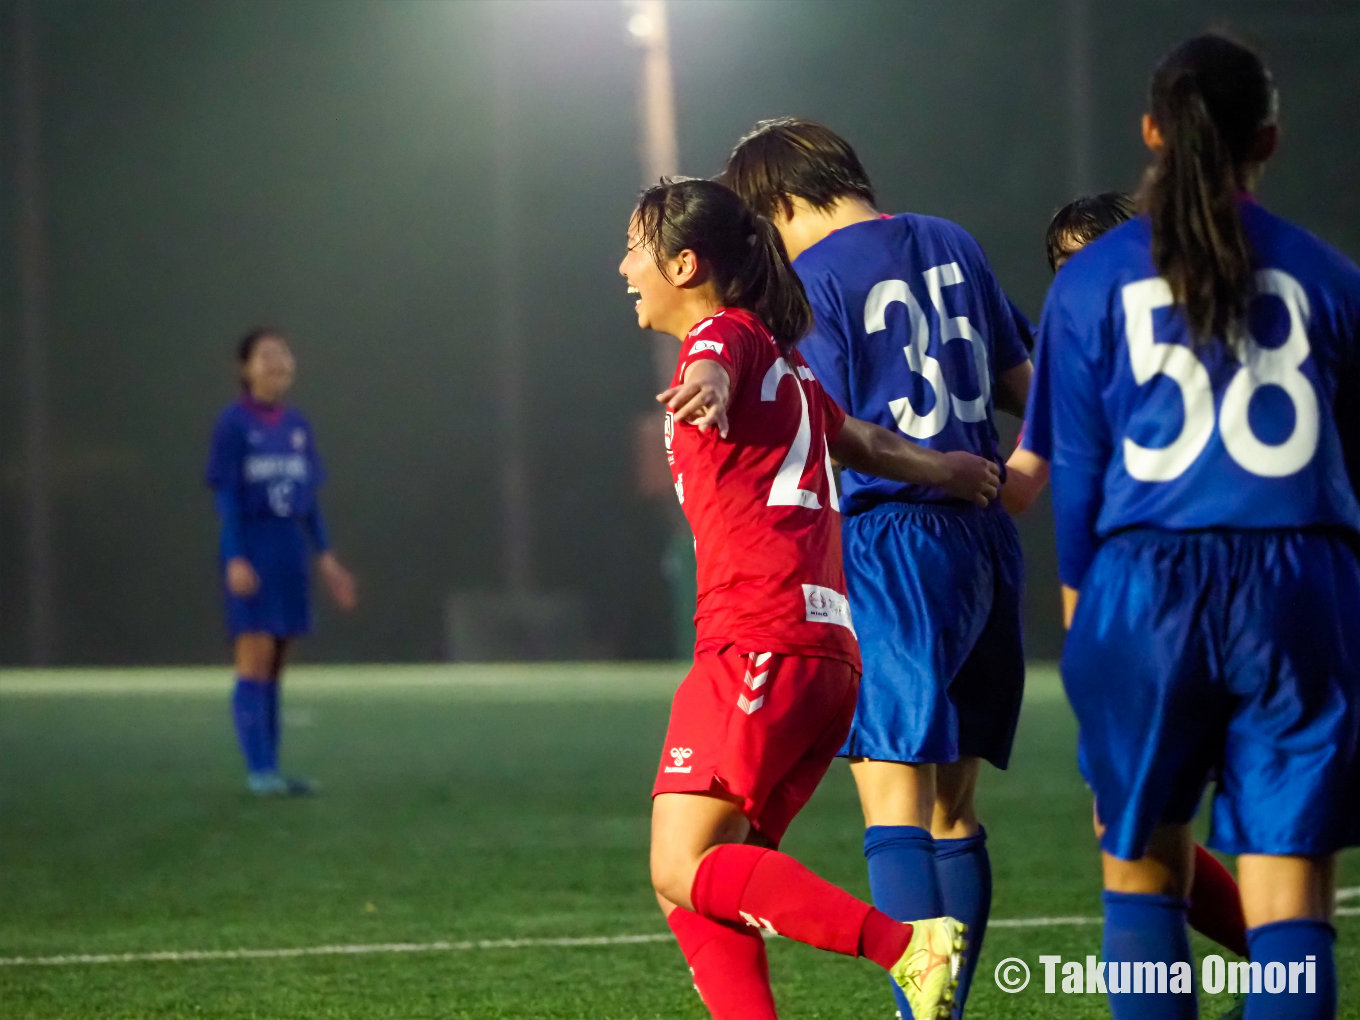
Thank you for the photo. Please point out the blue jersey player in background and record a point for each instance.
(1197, 376)
(264, 473)
(911, 332)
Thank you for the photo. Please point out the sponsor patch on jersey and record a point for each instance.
(826, 605)
(299, 439)
(706, 345)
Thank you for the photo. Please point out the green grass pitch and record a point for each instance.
(460, 803)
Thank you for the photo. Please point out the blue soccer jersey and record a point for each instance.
(264, 471)
(1143, 429)
(911, 329)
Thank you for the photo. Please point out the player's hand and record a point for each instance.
(701, 399)
(973, 478)
(340, 583)
(242, 581)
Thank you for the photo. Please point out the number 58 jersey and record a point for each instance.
(1147, 429)
(762, 502)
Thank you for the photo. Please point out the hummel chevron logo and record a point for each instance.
(750, 706)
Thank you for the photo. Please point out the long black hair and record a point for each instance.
(743, 251)
(1209, 99)
(245, 349)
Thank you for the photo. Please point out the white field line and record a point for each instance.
(198, 955)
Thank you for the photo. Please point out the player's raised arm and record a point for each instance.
(862, 446)
(702, 397)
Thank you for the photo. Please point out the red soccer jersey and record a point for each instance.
(762, 502)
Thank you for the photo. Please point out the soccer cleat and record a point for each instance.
(928, 972)
(271, 784)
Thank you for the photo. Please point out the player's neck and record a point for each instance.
(809, 225)
(698, 307)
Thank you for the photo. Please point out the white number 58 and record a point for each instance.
(1261, 366)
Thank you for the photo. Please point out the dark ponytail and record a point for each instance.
(1209, 99)
(743, 252)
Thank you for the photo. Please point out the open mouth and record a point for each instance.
(634, 290)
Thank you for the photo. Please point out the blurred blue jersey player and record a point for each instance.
(911, 332)
(264, 472)
(1198, 373)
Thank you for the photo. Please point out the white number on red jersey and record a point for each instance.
(785, 491)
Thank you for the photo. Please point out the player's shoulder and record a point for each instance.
(728, 327)
(1283, 244)
(232, 418)
(1118, 256)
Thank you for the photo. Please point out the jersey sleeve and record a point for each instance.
(721, 341)
(1065, 424)
(224, 478)
(1011, 332)
(225, 454)
(825, 348)
(831, 414)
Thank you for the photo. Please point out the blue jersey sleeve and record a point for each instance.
(1012, 333)
(825, 348)
(1066, 425)
(224, 477)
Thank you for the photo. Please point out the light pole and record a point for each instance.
(658, 157)
(32, 273)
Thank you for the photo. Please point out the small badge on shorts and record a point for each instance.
(681, 755)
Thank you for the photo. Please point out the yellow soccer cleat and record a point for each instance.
(929, 970)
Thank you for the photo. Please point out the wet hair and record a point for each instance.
(790, 158)
(741, 249)
(1080, 222)
(1209, 98)
(245, 348)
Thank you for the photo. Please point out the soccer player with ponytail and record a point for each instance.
(1196, 375)
(750, 435)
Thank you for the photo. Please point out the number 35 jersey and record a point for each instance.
(1145, 428)
(911, 330)
(762, 502)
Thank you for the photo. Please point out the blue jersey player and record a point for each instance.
(264, 473)
(911, 332)
(1195, 395)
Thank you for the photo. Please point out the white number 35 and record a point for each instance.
(1261, 366)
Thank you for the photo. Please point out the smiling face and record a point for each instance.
(268, 372)
(655, 294)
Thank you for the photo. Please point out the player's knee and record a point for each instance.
(672, 875)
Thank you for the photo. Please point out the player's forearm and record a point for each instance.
(1026, 476)
(862, 446)
(228, 508)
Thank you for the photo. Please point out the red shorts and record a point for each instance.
(764, 727)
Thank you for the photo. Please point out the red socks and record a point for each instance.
(729, 966)
(770, 890)
(1216, 904)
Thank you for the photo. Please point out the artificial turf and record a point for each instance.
(460, 803)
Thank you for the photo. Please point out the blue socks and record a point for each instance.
(902, 878)
(1148, 929)
(1278, 947)
(250, 710)
(272, 702)
(964, 872)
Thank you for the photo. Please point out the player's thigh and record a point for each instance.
(1291, 769)
(955, 815)
(987, 691)
(1285, 888)
(254, 654)
(895, 792)
(795, 787)
(685, 826)
(1137, 671)
(282, 646)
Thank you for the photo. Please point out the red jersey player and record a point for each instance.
(751, 436)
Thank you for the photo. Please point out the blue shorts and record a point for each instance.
(1227, 654)
(282, 606)
(935, 592)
